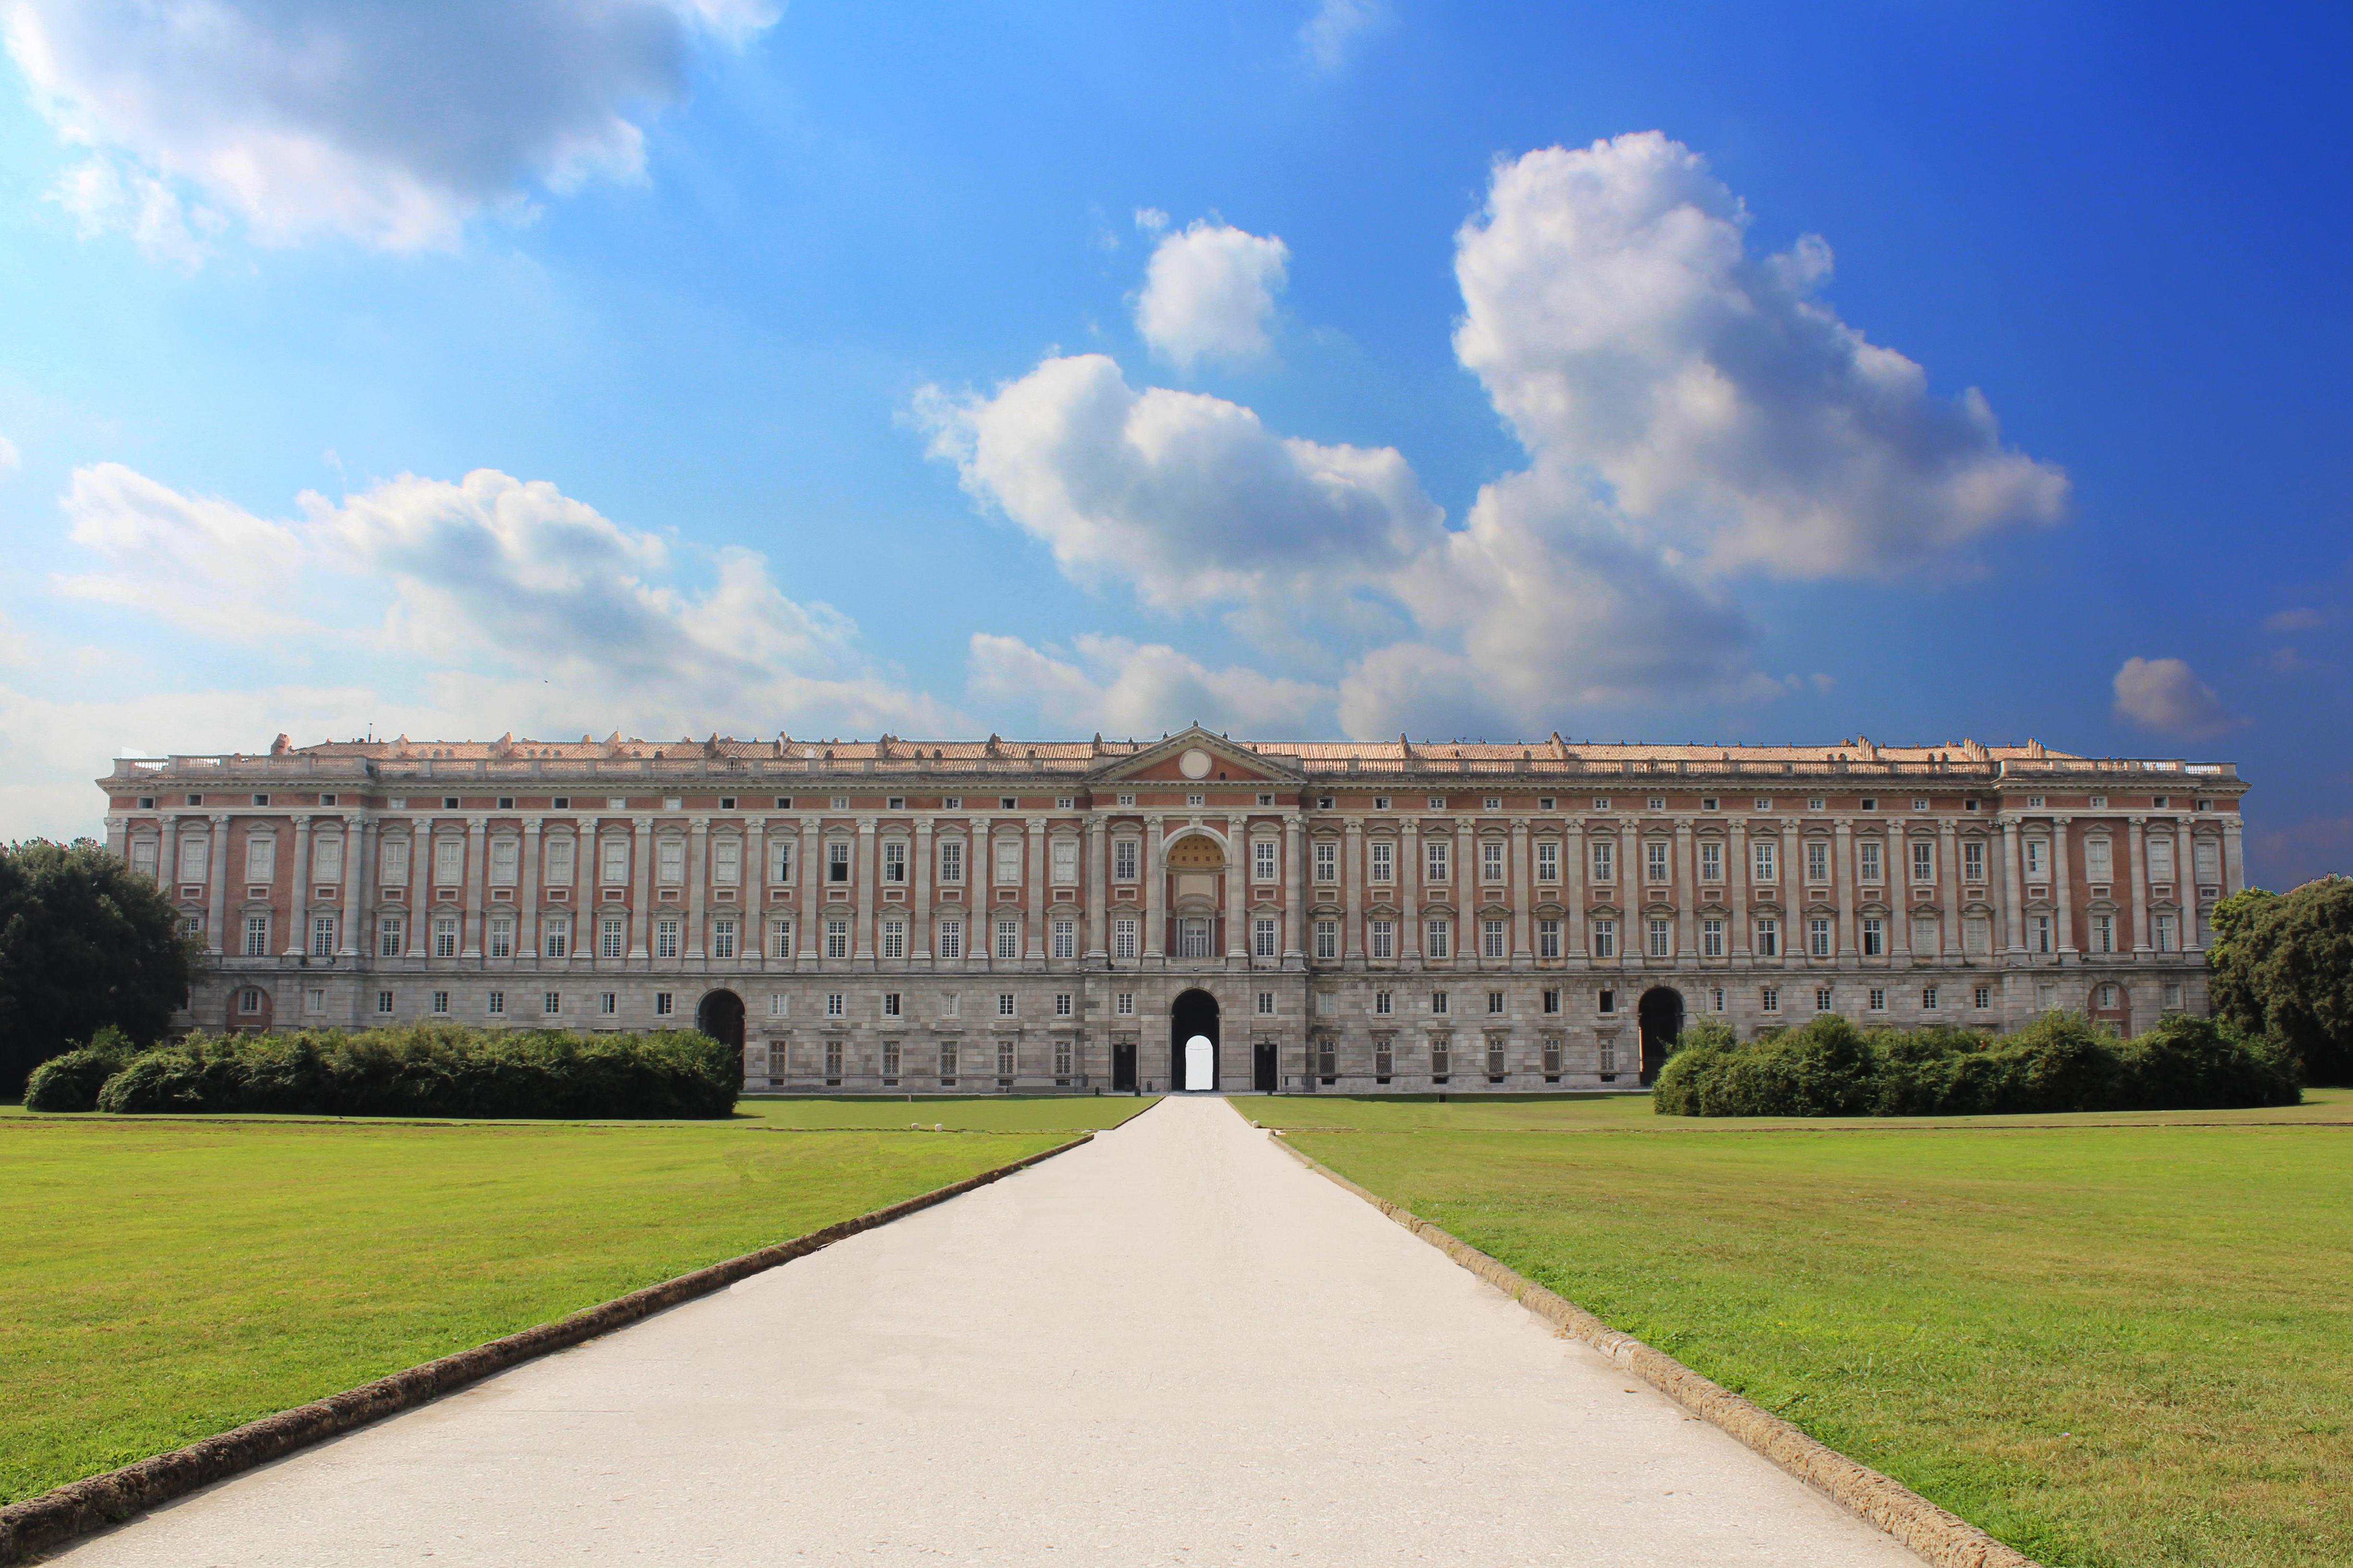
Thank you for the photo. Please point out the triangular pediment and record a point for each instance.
(1195, 757)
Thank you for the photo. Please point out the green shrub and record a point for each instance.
(2059, 1062)
(1675, 1091)
(71, 1082)
(434, 1070)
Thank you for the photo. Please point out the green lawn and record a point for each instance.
(2107, 1340)
(164, 1279)
(995, 1113)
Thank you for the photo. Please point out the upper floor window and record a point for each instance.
(836, 861)
(1490, 862)
(614, 864)
(894, 862)
(1766, 852)
(1655, 861)
(1711, 861)
(1435, 858)
(1327, 861)
(951, 860)
(448, 861)
(1818, 861)
(261, 858)
(556, 864)
(1125, 855)
(2038, 858)
(1066, 860)
(2099, 864)
(1924, 861)
(670, 860)
(1973, 861)
(1263, 860)
(1867, 857)
(1384, 860)
(1604, 860)
(727, 862)
(1007, 850)
(1548, 862)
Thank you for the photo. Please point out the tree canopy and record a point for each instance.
(2282, 966)
(85, 942)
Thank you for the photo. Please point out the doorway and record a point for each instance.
(1122, 1068)
(720, 1014)
(1195, 1017)
(1660, 1018)
(1263, 1066)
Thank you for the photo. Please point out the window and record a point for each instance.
(445, 936)
(2038, 855)
(1977, 935)
(1654, 854)
(2167, 933)
(1327, 941)
(2104, 996)
(1009, 939)
(1196, 799)
(1817, 938)
(326, 859)
(1876, 1001)
(1924, 860)
(1491, 939)
(837, 939)
(1122, 938)
(836, 861)
(1868, 804)
(1266, 1004)
(1769, 1000)
(1604, 860)
(894, 862)
(1658, 803)
(2160, 859)
(1711, 861)
(387, 936)
(780, 861)
(1437, 1003)
(1662, 939)
(607, 1003)
(1818, 861)
(1547, 939)
(261, 858)
(1874, 937)
(501, 936)
(1494, 1002)
(1127, 800)
(1439, 939)
(666, 939)
(722, 938)
(192, 855)
(1263, 860)
(1490, 862)
(1263, 938)
(1768, 937)
(2172, 1002)
(557, 936)
(1327, 861)
(496, 1004)
(248, 1001)
(1928, 998)
(1384, 936)
(1552, 1000)
(1005, 1003)
(1065, 1001)
(836, 1004)
(1600, 802)
(1062, 1060)
(1125, 853)
(551, 1002)
(665, 1002)
(449, 860)
(1548, 862)
(1384, 860)
(1438, 803)
(2038, 933)
(2098, 803)
(384, 1001)
(1434, 858)
(1004, 1058)
(1707, 803)
(1764, 852)
(951, 860)
(1380, 803)
(1065, 857)
(2104, 933)
(1711, 939)
(1973, 860)
(1066, 939)
(505, 856)
(951, 939)
(670, 860)
(951, 1004)
(780, 939)
(1983, 997)
(1822, 998)
(1327, 1004)
(894, 939)
(891, 1005)
(1762, 802)
(1924, 936)
(1008, 851)
(948, 1061)
(1605, 938)
(322, 937)
(256, 936)
(1866, 852)
(1384, 1003)
(1125, 1004)
(614, 862)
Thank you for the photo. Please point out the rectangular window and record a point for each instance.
(1822, 998)
(1435, 855)
(1005, 1003)
(1924, 860)
(2172, 997)
(952, 939)
(556, 863)
(1266, 1004)
(1877, 1000)
(1123, 1004)
(894, 862)
(1768, 937)
(195, 852)
(1439, 936)
(1494, 1002)
(951, 1004)
(2038, 933)
(833, 1061)
(1263, 938)
(1065, 856)
(440, 1003)
(558, 936)
(1125, 856)
(1548, 860)
(1062, 1058)
(1656, 859)
(665, 939)
(1818, 861)
(2167, 933)
(1007, 850)
(894, 937)
(1977, 935)
(1928, 998)
(613, 937)
(836, 861)
(1983, 997)
(496, 1004)
(2205, 854)
(1384, 1003)
(1193, 938)
(449, 862)
(1547, 939)
(1764, 854)
(1065, 1002)
(948, 1061)
(1817, 938)
(951, 862)
(837, 1004)
(1384, 939)
(1605, 938)
(261, 858)
(780, 861)
(1439, 1003)
(1551, 1058)
(1491, 939)
(1327, 941)
(384, 1001)
(322, 937)
(256, 937)
(1711, 939)
(505, 858)
(1009, 939)
(142, 856)
(780, 939)
(326, 859)
(501, 936)
(1066, 939)
(1004, 1058)
(891, 1005)
(1874, 937)
(1924, 936)
(2104, 933)
(1490, 862)
(837, 939)
(551, 1002)
(1122, 938)
(1973, 861)
(2099, 865)
(1867, 853)
(1604, 860)
(1263, 860)
(607, 1003)
(665, 1002)
(1769, 1000)
(445, 936)
(889, 1061)
(613, 859)
(1384, 860)
(1711, 861)
(723, 939)
(1327, 861)
(1662, 939)
(2038, 859)
(389, 932)
(2160, 859)
(1552, 1000)
(726, 860)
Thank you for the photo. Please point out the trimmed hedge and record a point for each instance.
(71, 1082)
(427, 1070)
(2059, 1062)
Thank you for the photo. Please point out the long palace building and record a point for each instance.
(1000, 915)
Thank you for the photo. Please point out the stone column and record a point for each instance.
(1521, 873)
(1352, 901)
(752, 895)
(584, 883)
(698, 862)
(1466, 892)
(217, 914)
(298, 942)
(2137, 869)
(2063, 880)
(1686, 894)
(420, 883)
(2234, 866)
(358, 884)
(1736, 867)
(167, 857)
(2185, 883)
(864, 868)
(1899, 886)
(1094, 882)
(1842, 851)
(1034, 922)
(1574, 947)
(922, 871)
(1295, 888)
(1409, 893)
(810, 918)
(527, 885)
(1237, 883)
(641, 898)
(2012, 885)
(1949, 891)
(477, 881)
(1156, 891)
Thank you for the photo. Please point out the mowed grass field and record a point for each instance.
(166, 1278)
(2108, 1340)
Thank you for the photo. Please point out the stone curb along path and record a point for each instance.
(84, 1507)
(1943, 1538)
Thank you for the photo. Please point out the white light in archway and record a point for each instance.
(1200, 1064)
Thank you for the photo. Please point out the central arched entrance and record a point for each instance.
(1659, 1017)
(1195, 1016)
(720, 1014)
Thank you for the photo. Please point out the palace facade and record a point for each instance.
(905, 917)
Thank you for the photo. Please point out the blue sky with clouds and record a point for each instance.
(1309, 368)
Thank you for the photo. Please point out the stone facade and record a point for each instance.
(902, 917)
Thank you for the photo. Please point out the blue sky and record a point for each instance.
(1315, 368)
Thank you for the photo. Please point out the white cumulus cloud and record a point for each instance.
(1115, 685)
(1616, 318)
(2165, 696)
(389, 125)
(1209, 292)
(1335, 25)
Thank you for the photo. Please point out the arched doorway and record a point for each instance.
(1659, 1017)
(1195, 1016)
(720, 1014)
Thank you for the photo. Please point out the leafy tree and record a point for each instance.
(85, 942)
(2282, 966)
